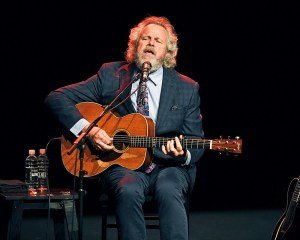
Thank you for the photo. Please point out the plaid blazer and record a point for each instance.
(178, 112)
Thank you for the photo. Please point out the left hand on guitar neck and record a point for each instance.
(174, 148)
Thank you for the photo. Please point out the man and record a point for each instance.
(174, 106)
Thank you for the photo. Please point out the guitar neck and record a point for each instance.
(226, 145)
(156, 142)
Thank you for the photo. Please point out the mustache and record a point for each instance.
(149, 49)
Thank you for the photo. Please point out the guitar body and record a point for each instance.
(133, 139)
(292, 232)
(287, 227)
(95, 161)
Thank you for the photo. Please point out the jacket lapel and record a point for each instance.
(168, 93)
(125, 78)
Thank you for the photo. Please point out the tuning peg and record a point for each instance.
(237, 138)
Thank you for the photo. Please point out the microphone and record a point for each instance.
(146, 67)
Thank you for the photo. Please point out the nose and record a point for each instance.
(151, 41)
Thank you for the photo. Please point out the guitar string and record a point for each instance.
(147, 139)
(162, 139)
(154, 141)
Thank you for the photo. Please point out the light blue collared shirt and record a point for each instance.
(154, 88)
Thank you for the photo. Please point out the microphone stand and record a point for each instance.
(79, 143)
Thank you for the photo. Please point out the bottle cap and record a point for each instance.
(42, 151)
(31, 151)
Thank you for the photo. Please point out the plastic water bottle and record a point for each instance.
(31, 171)
(43, 164)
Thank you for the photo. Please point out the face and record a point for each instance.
(152, 46)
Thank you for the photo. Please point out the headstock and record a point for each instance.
(227, 145)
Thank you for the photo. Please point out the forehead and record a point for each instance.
(155, 31)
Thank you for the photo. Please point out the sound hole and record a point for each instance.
(121, 141)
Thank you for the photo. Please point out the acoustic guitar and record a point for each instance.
(133, 135)
(288, 226)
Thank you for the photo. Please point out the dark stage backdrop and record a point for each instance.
(242, 53)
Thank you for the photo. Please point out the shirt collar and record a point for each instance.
(156, 76)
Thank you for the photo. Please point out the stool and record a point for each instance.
(58, 199)
(106, 202)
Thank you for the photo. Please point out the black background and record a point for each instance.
(244, 54)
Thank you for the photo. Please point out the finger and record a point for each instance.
(178, 144)
(104, 146)
(169, 146)
(106, 141)
(104, 135)
(172, 147)
(163, 148)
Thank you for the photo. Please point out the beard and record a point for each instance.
(141, 58)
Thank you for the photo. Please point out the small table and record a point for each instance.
(58, 198)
